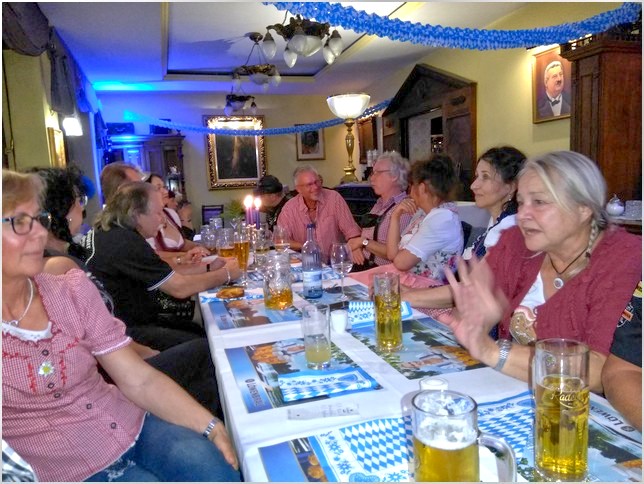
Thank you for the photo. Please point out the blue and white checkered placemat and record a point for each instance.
(362, 313)
(310, 384)
(296, 272)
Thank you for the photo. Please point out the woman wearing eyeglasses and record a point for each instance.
(57, 411)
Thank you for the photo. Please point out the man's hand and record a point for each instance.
(355, 243)
(358, 256)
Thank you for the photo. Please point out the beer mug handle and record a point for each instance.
(506, 462)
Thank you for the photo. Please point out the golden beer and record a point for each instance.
(241, 252)
(433, 464)
(388, 323)
(279, 299)
(561, 428)
(226, 252)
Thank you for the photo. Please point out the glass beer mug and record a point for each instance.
(277, 281)
(562, 401)
(386, 292)
(447, 439)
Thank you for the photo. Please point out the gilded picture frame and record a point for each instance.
(234, 161)
(548, 70)
(56, 142)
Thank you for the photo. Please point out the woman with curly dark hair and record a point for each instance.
(65, 198)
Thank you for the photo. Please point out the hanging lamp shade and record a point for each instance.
(348, 106)
(268, 46)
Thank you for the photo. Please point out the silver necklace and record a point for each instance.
(16, 322)
(559, 281)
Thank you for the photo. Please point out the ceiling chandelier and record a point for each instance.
(236, 103)
(303, 38)
(261, 73)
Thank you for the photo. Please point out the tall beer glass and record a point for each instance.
(386, 290)
(447, 439)
(560, 385)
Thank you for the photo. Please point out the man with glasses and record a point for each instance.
(389, 182)
(323, 207)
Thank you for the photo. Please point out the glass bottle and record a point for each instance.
(311, 265)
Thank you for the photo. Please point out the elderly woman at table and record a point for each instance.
(131, 271)
(389, 182)
(58, 412)
(434, 237)
(564, 272)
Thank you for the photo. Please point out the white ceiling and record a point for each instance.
(194, 46)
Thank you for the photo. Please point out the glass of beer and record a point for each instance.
(560, 390)
(225, 243)
(242, 250)
(386, 291)
(446, 440)
(316, 330)
(277, 281)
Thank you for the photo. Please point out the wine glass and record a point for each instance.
(280, 239)
(226, 243)
(341, 262)
(234, 223)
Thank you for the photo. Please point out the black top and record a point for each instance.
(273, 213)
(627, 342)
(131, 272)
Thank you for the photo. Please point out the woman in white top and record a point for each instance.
(434, 237)
(494, 188)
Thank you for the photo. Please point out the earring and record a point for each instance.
(69, 220)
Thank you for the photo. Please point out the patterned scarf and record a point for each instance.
(478, 247)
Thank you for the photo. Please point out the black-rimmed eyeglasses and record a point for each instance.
(23, 223)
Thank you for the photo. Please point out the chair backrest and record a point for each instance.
(209, 211)
(467, 231)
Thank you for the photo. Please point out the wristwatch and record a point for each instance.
(505, 346)
(365, 242)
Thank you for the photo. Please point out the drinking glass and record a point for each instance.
(277, 281)
(386, 291)
(446, 440)
(209, 240)
(317, 336)
(560, 388)
(280, 238)
(216, 222)
(242, 249)
(260, 245)
(341, 262)
(234, 223)
(226, 243)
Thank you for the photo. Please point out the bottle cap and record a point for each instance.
(433, 383)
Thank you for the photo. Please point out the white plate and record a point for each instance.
(208, 259)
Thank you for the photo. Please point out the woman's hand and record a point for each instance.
(233, 267)
(406, 206)
(194, 255)
(219, 437)
(358, 256)
(478, 307)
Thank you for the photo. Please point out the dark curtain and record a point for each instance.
(25, 29)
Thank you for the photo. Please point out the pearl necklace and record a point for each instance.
(16, 322)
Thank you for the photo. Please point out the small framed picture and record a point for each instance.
(309, 145)
(551, 81)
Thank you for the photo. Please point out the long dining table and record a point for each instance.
(352, 422)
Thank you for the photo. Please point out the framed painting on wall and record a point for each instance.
(235, 161)
(550, 86)
(309, 145)
(56, 147)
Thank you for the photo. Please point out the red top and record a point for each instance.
(58, 412)
(334, 220)
(588, 307)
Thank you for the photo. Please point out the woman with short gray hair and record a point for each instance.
(389, 181)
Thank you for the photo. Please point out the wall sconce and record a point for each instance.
(348, 107)
(72, 126)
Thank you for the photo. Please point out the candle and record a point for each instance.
(258, 204)
(248, 203)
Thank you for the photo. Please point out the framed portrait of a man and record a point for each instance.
(309, 145)
(550, 86)
(235, 161)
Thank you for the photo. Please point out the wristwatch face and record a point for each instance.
(365, 242)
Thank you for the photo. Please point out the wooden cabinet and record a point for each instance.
(606, 117)
(155, 153)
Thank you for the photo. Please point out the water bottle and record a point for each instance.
(311, 265)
